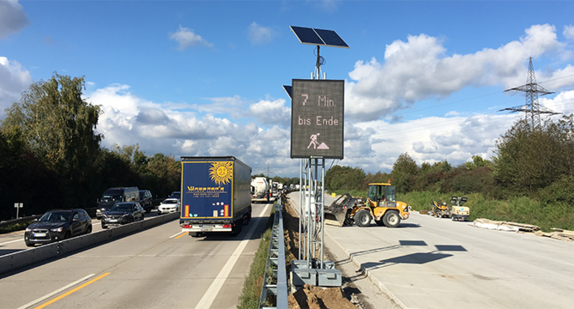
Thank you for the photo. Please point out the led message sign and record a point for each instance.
(317, 117)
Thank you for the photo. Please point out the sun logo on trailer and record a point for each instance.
(221, 172)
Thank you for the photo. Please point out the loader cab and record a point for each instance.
(382, 194)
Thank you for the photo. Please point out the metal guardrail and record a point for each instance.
(275, 278)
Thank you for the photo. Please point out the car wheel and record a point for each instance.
(104, 226)
(89, 230)
(67, 235)
(29, 244)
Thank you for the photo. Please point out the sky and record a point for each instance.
(204, 78)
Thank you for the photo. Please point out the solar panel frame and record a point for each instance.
(287, 89)
(321, 37)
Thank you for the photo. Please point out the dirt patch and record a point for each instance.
(310, 296)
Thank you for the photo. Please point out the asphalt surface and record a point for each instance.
(156, 268)
(14, 242)
(436, 263)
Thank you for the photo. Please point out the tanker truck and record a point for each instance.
(259, 190)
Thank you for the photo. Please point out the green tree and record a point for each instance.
(527, 160)
(477, 161)
(404, 169)
(58, 126)
(344, 178)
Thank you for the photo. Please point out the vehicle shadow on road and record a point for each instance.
(413, 258)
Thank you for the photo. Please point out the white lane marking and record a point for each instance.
(214, 288)
(55, 292)
(178, 233)
(9, 242)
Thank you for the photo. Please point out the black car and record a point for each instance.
(146, 200)
(56, 225)
(122, 213)
(175, 194)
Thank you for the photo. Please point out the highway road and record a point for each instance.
(436, 263)
(14, 242)
(156, 268)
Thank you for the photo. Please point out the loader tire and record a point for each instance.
(392, 219)
(363, 218)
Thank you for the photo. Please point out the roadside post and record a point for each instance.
(18, 206)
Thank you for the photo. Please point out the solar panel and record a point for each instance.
(313, 36)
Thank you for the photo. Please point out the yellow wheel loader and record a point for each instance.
(380, 205)
(440, 210)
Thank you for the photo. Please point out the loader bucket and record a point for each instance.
(336, 213)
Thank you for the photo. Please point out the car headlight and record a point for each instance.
(28, 229)
(59, 229)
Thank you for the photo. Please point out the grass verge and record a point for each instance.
(249, 298)
(15, 227)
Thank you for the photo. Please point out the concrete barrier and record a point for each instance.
(24, 258)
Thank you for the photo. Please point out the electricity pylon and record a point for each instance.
(532, 109)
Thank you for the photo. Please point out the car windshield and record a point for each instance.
(170, 202)
(55, 217)
(111, 198)
(122, 207)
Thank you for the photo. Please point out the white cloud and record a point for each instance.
(259, 35)
(568, 32)
(431, 139)
(271, 112)
(419, 69)
(185, 37)
(14, 79)
(128, 119)
(12, 18)
(561, 103)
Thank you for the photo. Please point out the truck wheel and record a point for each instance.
(392, 219)
(236, 229)
(363, 218)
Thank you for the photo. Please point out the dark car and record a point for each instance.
(175, 194)
(56, 225)
(122, 213)
(116, 195)
(146, 200)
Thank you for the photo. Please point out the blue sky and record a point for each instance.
(205, 77)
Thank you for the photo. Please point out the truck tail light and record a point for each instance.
(186, 226)
(226, 226)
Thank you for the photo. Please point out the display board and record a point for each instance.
(317, 118)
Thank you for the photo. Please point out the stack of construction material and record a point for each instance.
(504, 225)
(559, 234)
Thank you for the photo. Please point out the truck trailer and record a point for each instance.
(215, 195)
